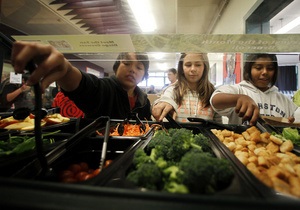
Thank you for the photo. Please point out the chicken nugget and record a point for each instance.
(272, 147)
(286, 146)
(276, 140)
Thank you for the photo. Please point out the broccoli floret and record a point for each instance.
(198, 169)
(158, 137)
(203, 142)
(174, 187)
(173, 173)
(140, 157)
(159, 145)
(223, 174)
(161, 163)
(181, 143)
(148, 175)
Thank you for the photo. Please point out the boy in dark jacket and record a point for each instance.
(115, 97)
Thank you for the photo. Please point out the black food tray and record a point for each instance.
(80, 147)
(89, 150)
(10, 164)
(264, 191)
(116, 176)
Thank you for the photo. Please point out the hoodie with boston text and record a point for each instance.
(270, 103)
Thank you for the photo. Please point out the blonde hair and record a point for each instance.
(204, 89)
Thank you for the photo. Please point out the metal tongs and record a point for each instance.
(104, 145)
(132, 115)
(266, 127)
(172, 122)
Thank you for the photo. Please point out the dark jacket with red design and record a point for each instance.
(67, 107)
(105, 97)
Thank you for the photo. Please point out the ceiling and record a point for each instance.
(57, 17)
(38, 17)
(69, 17)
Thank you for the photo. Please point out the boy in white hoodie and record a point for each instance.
(256, 95)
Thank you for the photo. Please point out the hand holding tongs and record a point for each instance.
(132, 115)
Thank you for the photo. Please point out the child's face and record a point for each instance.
(262, 72)
(193, 68)
(130, 72)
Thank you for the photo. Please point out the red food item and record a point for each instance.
(75, 168)
(84, 166)
(88, 176)
(69, 180)
(80, 176)
(79, 172)
(66, 174)
(96, 171)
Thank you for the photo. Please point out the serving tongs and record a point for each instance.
(134, 116)
(173, 123)
(104, 145)
(266, 127)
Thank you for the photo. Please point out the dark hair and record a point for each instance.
(250, 59)
(141, 57)
(173, 70)
(205, 87)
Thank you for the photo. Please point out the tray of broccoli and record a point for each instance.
(182, 161)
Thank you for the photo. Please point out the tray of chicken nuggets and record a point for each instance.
(163, 163)
(267, 160)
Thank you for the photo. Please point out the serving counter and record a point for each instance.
(108, 191)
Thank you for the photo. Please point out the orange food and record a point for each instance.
(131, 130)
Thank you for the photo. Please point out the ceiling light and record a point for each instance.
(289, 26)
(143, 14)
(162, 66)
(158, 55)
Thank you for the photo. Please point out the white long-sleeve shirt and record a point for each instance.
(270, 103)
(191, 106)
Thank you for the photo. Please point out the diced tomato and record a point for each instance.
(75, 168)
(66, 174)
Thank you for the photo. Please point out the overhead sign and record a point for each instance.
(84, 43)
(244, 43)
